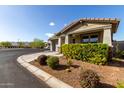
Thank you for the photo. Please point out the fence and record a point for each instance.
(119, 44)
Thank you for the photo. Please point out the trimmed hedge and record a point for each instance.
(96, 53)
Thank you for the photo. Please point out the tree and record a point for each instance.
(21, 44)
(37, 43)
(6, 44)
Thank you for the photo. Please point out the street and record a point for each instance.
(13, 75)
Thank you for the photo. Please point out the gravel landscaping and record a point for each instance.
(109, 75)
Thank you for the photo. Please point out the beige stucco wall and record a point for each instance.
(79, 36)
(63, 40)
(76, 37)
(85, 28)
(101, 37)
(107, 36)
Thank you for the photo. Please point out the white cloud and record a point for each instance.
(52, 24)
(49, 34)
(65, 24)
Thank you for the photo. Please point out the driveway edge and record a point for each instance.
(40, 74)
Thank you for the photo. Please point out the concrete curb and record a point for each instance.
(42, 75)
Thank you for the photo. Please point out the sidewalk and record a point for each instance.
(47, 78)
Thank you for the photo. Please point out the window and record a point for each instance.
(73, 40)
(85, 39)
(90, 38)
(94, 38)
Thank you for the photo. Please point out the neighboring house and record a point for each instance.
(86, 30)
(26, 44)
(16, 44)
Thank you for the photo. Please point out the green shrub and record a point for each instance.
(53, 62)
(119, 54)
(95, 53)
(42, 59)
(122, 54)
(120, 84)
(98, 60)
(89, 79)
(48, 56)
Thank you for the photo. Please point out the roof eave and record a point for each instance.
(102, 20)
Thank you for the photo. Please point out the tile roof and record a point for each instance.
(114, 21)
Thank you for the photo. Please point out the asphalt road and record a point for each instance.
(12, 74)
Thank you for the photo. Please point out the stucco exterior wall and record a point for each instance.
(78, 37)
(101, 37)
(103, 30)
(107, 36)
(85, 28)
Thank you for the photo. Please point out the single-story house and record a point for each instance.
(16, 44)
(86, 30)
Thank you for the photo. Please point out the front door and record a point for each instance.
(55, 45)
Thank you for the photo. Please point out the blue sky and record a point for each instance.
(28, 22)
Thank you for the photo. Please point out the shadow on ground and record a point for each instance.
(105, 85)
(116, 64)
(63, 67)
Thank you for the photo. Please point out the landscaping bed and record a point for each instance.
(68, 77)
(109, 75)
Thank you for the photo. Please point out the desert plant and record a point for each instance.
(122, 54)
(48, 56)
(120, 84)
(89, 79)
(118, 52)
(42, 59)
(117, 48)
(53, 62)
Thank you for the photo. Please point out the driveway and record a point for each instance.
(13, 75)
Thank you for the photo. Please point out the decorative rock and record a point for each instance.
(68, 70)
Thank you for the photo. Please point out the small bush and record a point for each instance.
(119, 54)
(89, 79)
(120, 84)
(48, 56)
(42, 59)
(53, 62)
(122, 54)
